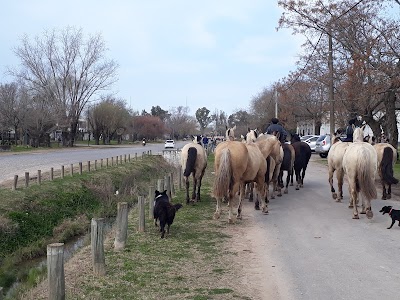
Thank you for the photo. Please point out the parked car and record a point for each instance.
(323, 145)
(312, 142)
(306, 137)
(169, 144)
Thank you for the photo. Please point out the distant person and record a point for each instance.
(205, 142)
(275, 127)
(350, 130)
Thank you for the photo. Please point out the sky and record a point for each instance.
(217, 54)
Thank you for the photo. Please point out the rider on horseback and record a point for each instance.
(276, 127)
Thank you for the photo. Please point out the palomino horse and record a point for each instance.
(387, 156)
(230, 133)
(236, 164)
(360, 165)
(272, 151)
(302, 157)
(193, 161)
(335, 163)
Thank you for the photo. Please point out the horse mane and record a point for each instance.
(358, 134)
(295, 138)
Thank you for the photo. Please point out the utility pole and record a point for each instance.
(331, 91)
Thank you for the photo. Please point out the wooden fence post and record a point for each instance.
(80, 168)
(55, 271)
(129, 157)
(95, 164)
(62, 172)
(14, 187)
(112, 160)
(141, 227)
(180, 177)
(88, 166)
(26, 179)
(151, 201)
(97, 245)
(136, 156)
(125, 158)
(39, 177)
(101, 163)
(167, 186)
(122, 226)
(160, 185)
(51, 173)
(171, 176)
(72, 169)
(107, 162)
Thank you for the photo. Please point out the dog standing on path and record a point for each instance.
(393, 213)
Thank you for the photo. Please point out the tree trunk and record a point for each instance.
(391, 120)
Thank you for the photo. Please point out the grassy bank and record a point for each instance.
(193, 262)
(57, 211)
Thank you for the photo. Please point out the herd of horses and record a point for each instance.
(258, 162)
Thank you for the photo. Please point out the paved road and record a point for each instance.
(319, 252)
(18, 163)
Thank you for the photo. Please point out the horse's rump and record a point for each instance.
(360, 164)
(386, 166)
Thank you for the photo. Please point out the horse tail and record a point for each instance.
(223, 177)
(191, 161)
(365, 179)
(267, 179)
(387, 166)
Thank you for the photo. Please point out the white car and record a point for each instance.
(312, 142)
(169, 144)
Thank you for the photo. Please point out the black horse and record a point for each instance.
(302, 157)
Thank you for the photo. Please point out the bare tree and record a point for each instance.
(68, 69)
(180, 123)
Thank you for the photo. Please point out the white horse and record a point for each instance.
(360, 165)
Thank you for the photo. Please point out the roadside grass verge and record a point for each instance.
(194, 261)
(59, 210)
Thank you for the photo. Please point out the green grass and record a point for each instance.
(33, 217)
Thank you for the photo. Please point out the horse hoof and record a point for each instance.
(334, 195)
(297, 188)
(279, 195)
(389, 196)
(356, 217)
(285, 192)
(230, 221)
(370, 214)
(272, 197)
(256, 207)
(216, 216)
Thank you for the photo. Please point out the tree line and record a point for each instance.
(349, 67)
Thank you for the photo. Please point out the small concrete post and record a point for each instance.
(88, 166)
(95, 164)
(97, 245)
(39, 177)
(62, 172)
(125, 158)
(80, 168)
(55, 271)
(14, 187)
(120, 159)
(51, 174)
(129, 157)
(112, 161)
(107, 162)
(26, 179)
(72, 169)
(121, 226)
(136, 156)
(141, 210)
(101, 163)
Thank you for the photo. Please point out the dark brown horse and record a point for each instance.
(302, 157)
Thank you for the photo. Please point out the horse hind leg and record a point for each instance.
(340, 177)
(187, 190)
(389, 191)
(353, 201)
(194, 188)
(217, 213)
(330, 180)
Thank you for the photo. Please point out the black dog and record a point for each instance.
(164, 211)
(393, 213)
